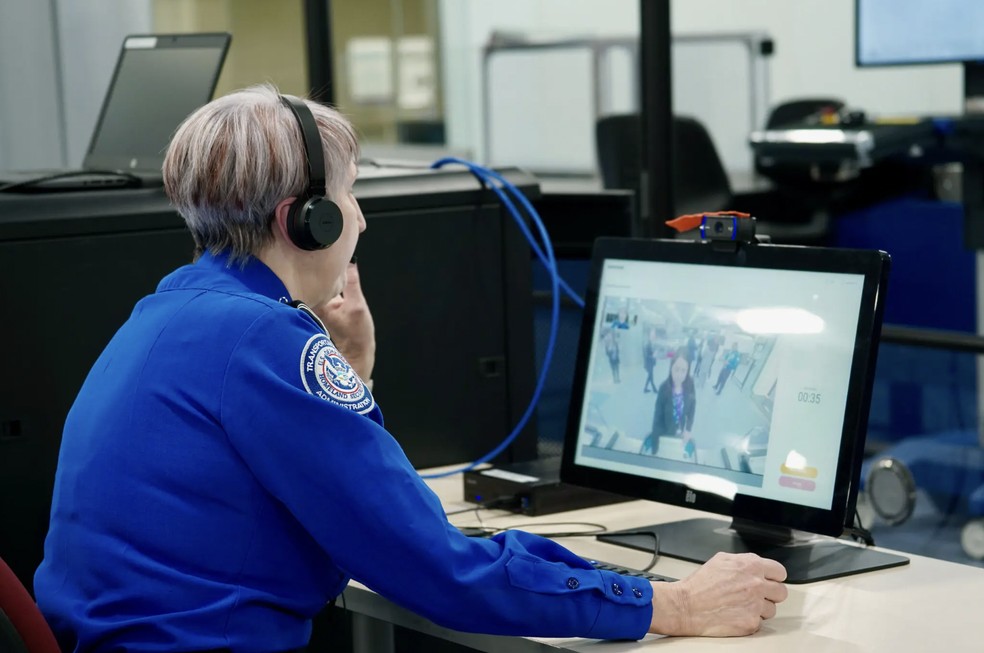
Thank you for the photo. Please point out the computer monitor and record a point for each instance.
(905, 32)
(733, 380)
(159, 79)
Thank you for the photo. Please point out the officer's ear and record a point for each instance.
(281, 212)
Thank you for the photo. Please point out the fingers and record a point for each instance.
(768, 610)
(776, 592)
(774, 574)
(774, 570)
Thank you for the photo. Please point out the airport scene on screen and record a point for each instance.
(732, 380)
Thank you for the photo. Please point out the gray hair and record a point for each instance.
(233, 160)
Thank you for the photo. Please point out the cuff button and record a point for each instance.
(573, 583)
(636, 592)
(616, 589)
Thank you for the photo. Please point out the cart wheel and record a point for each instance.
(972, 538)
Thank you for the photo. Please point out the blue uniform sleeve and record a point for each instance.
(348, 482)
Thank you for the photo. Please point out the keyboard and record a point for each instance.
(628, 571)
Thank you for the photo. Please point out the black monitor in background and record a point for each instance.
(905, 32)
(772, 408)
(159, 79)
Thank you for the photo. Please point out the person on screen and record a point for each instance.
(676, 404)
(692, 346)
(708, 352)
(622, 320)
(732, 358)
(224, 471)
(612, 351)
(649, 360)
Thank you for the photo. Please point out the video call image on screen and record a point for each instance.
(732, 380)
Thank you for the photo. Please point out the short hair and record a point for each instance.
(234, 159)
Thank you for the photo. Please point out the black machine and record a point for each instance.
(732, 377)
(532, 488)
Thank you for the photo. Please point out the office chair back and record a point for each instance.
(617, 141)
(22, 626)
(700, 182)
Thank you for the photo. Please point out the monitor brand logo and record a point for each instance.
(690, 497)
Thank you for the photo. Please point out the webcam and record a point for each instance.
(728, 227)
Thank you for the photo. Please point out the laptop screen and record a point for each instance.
(159, 80)
(732, 382)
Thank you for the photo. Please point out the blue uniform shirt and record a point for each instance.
(224, 472)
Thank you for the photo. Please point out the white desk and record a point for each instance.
(927, 605)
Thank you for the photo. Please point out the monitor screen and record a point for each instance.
(730, 381)
(158, 81)
(893, 32)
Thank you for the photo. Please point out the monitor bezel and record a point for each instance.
(859, 63)
(873, 265)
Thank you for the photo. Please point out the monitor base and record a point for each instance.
(806, 560)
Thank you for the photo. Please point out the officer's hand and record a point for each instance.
(730, 595)
(350, 325)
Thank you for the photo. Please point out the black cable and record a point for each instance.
(133, 180)
(655, 536)
(597, 529)
(858, 532)
(348, 617)
(486, 531)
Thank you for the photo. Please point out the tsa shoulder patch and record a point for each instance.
(325, 373)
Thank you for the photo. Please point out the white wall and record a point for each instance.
(90, 40)
(814, 56)
(466, 26)
(30, 123)
(56, 59)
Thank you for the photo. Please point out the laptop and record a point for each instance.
(158, 81)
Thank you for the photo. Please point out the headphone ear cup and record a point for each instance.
(324, 221)
(314, 223)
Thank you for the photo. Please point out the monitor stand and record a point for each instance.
(807, 557)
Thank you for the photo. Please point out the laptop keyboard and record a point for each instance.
(628, 571)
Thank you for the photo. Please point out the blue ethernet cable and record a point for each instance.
(546, 255)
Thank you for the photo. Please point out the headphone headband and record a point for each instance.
(312, 145)
(313, 221)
